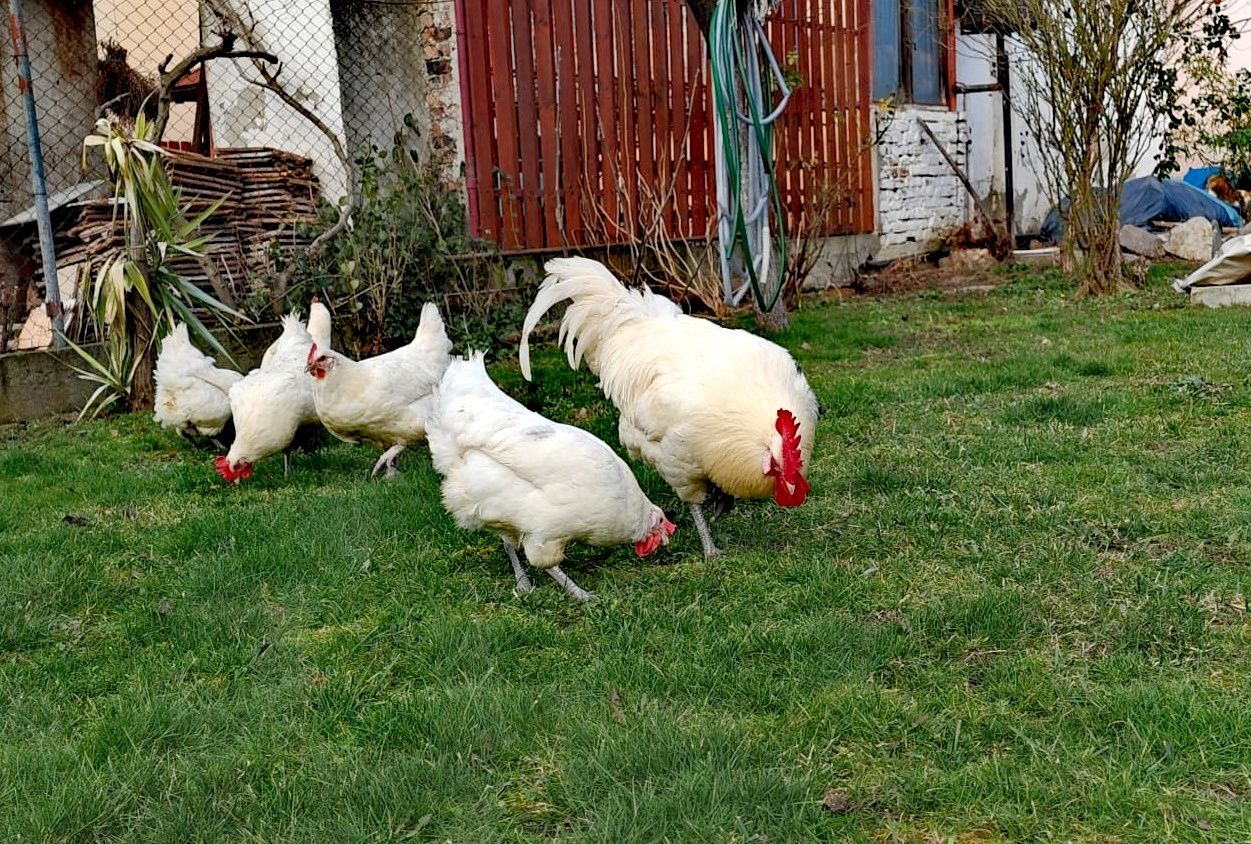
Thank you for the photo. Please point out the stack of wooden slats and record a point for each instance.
(202, 181)
(280, 195)
(270, 197)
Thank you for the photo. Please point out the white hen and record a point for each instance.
(191, 390)
(537, 484)
(384, 399)
(271, 403)
(714, 410)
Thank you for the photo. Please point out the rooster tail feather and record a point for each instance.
(599, 304)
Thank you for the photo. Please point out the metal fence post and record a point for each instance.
(17, 30)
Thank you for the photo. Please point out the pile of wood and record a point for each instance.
(280, 197)
(270, 197)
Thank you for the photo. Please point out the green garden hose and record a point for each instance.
(751, 221)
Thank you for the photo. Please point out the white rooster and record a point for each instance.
(714, 410)
(191, 390)
(538, 484)
(271, 404)
(384, 399)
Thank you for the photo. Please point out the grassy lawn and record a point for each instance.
(1014, 608)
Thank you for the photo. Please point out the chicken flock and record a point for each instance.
(719, 413)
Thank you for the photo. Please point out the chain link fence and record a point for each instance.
(350, 76)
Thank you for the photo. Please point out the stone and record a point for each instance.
(1139, 241)
(1196, 240)
(967, 260)
(37, 330)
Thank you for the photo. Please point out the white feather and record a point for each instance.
(384, 399)
(698, 402)
(271, 402)
(538, 483)
(191, 390)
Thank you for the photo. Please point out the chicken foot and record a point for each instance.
(576, 592)
(705, 535)
(387, 460)
(523, 581)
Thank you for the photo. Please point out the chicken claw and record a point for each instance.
(705, 535)
(576, 592)
(387, 461)
(524, 586)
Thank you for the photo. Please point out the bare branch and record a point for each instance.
(270, 80)
(1089, 70)
(169, 77)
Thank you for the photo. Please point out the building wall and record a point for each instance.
(395, 60)
(150, 30)
(62, 44)
(442, 64)
(244, 115)
(920, 201)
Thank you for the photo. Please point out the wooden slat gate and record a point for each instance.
(588, 122)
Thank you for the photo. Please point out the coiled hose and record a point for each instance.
(751, 221)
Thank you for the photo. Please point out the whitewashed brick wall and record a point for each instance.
(919, 199)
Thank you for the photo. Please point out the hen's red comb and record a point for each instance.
(790, 488)
(312, 354)
(229, 475)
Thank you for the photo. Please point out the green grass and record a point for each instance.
(1014, 608)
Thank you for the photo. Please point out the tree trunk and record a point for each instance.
(143, 385)
(1093, 242)
(774, 319)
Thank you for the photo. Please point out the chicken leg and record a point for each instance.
(575, 591)
(524, 585)
(387, 460)
(705, 535)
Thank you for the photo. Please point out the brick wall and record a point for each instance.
(919, 199)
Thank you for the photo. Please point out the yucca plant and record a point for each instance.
(136, 296)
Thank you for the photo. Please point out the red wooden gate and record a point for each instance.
(587, 121)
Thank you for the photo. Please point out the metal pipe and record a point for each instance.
(472, 164)
(1003, 78)
(43, 217)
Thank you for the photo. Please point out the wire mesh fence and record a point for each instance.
(279, 139)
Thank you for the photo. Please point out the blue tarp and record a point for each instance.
(1198, 176)
(1149, 198)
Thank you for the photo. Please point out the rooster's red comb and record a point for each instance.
(792, 459)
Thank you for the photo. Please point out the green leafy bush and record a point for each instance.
(408, 244)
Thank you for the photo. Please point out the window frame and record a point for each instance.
(903, 91)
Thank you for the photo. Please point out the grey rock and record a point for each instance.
(1139, 241)
(1196, 240)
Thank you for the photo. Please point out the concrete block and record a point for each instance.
(1221, 296)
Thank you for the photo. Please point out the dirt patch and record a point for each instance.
(915, 274)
